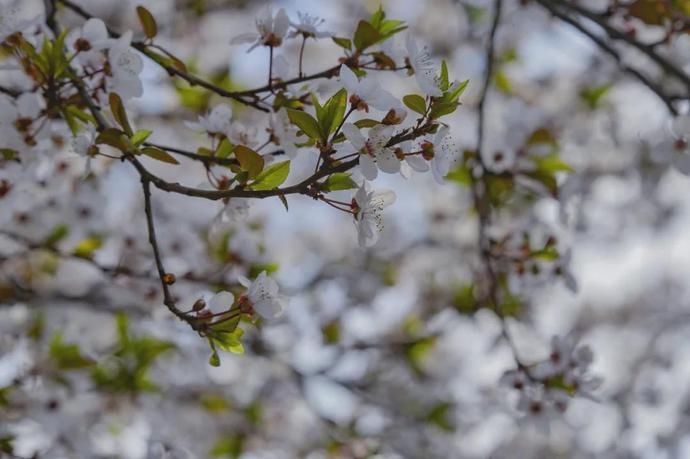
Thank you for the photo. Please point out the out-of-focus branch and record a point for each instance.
(608, 49)
(600, 20)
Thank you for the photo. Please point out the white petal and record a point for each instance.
(221, 302)
(281, 23)
(269, 309)
(248, 37)
(94, 30)
(387, 161)
(353, 134)
(368, 167)
(383, 198)
(417, 163)
(383, 100)
(244, 281)
(348, 79)
(682, 163)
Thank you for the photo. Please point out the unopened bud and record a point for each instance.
(427, 150)
(82, 44)
(199, 305)
(394, 116)
(169, 278)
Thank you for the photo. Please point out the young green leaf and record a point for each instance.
(140, 136)
(148, 23)
(119, 113)
(343, 42)
(415, 103)
(305, 122)
(365, 36)
(272, 177)
(160, 155)
(338, 181)
(249, 160)
(333, 113)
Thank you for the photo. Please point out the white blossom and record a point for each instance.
(369, 213)
(262, 295)
(374, 154)
(366, 91)
(424, 68)
(10, 20)
(220, 302)
(91, 39)
(307, 26)
(216, 123)
(270, 30)
(125, 65)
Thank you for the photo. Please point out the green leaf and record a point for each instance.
(67, 356)
(502, 82)
(224, 149)
(439, 415)
(455, 91)
(377, 17)
(415, 103)
(305, 122)
(140, 137)
(56, 235)
(249, 160)
(333, 113)
(551, 164)
(160, 155)
(338, 181)
(444, 82)
(214, 360)
(343, 42)
(148, 23)
(114, 138)
(365, 36)
(366, 123)
(464, 300)
(86, 247)
(440, 108)
(272, 177)
(594, 95)
(119, 113)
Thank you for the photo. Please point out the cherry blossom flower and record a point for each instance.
(10, 22)
(374, 154)
(443, 155)
(308, 26)
(262, 296)
(366, 91)
(90, 40)
(368, 208)
(17, 120)
(270, 30)
(125, 65)
(215, 123)
(423, 68)
(675, 149)
(220, 302)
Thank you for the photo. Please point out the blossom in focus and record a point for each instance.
(366, 91)
(262, 296)
(423, 68)
(374, 154)
(368, 208)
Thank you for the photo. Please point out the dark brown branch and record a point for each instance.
(168, 300)
(600, 20)
(604, 46)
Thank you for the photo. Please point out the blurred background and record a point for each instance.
(383, 352)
